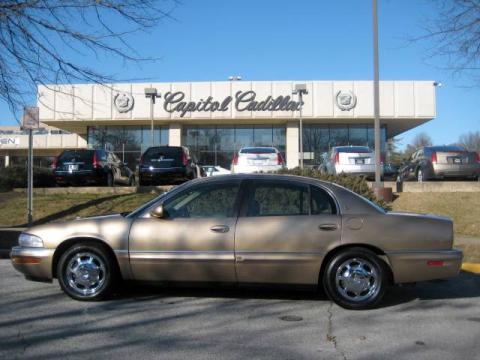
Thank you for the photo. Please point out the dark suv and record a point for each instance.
(167, 165)
(91, 167)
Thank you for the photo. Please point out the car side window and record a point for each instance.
(278, 199)
(212, 201)
(322, 203)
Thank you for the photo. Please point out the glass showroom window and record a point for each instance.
(318, 139)
(216, 145)
(128, 142)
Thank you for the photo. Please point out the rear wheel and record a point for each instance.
(420, 175)
(356, 279)
(87, 272)
(110, 181)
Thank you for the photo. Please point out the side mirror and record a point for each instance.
(158, 212)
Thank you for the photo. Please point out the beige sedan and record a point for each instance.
(245, 229)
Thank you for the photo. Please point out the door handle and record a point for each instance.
(220, 228)
(328, 227)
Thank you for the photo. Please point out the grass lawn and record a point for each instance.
(462, 207)
(49, 208)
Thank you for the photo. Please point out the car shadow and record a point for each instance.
(465, 285)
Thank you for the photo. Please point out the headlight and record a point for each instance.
(28, 240)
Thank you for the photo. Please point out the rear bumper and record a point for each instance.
(451, 170)
(413, 266)
(147, 175)
(87, 176)
(34, 263)
(248, 169)
(365, 170)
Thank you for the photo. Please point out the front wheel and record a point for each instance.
(86, 272)
(356, 279)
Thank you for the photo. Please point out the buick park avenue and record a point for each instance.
(245, 229)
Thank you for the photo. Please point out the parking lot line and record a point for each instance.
(471, 267)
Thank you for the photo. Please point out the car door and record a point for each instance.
(195, 239)
(283, 232)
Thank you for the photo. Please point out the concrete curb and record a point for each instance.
(471, 267)
(434, 186)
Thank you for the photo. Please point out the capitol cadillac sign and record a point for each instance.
(174, 102)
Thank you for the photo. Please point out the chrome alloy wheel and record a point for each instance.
(357, 280)
(85, 273)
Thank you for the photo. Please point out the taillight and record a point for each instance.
(337, 158)
(280, 159)
(478, 158)
(96, 164)
(235, 160)
(434, 157)
(54, 163)
(184, 159)
(382, 159)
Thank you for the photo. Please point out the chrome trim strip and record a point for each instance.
(453, 252)
(183, 255)
(35, 252)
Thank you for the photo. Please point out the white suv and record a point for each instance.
(256, 159)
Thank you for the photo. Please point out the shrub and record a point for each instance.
(357, 184)
(16, 177)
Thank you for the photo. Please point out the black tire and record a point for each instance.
(375, 286)
(102, 272)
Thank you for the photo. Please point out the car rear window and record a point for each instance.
(446, 148)
(76, 155)
(258, 151)
(354, 149)
(163, 152)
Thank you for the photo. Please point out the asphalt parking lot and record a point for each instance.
(434, 320)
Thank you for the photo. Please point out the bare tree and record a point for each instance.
(420, 140)
(470, 141)
(456, 34)
(46, 41)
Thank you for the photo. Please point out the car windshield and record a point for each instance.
(258, 151)
(354, 149)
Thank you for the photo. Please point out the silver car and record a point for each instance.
(257, 159)
(352, 160)
(245, 229)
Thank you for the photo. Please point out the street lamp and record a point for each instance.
(235, 78)
(300, 90)
(376, 96)
(152, 94)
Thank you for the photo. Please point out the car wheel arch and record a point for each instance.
(332, 252)
(67, 244)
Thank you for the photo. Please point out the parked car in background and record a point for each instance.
(352, 160)
(213, 170)
(245, 229)
(441, 162)
(322, 165)
(167, 165)
(257, 159)
(390, 171)
(91, 167)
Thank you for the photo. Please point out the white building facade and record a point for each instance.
(215, 119)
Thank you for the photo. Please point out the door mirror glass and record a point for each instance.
(158, 212)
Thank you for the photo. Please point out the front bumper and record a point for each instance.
(34, 263)
(413, 266)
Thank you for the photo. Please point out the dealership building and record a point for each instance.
(216, 119)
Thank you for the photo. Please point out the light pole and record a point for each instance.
(152, 94)
(235, 78)
(300, 90)
(376, 96)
